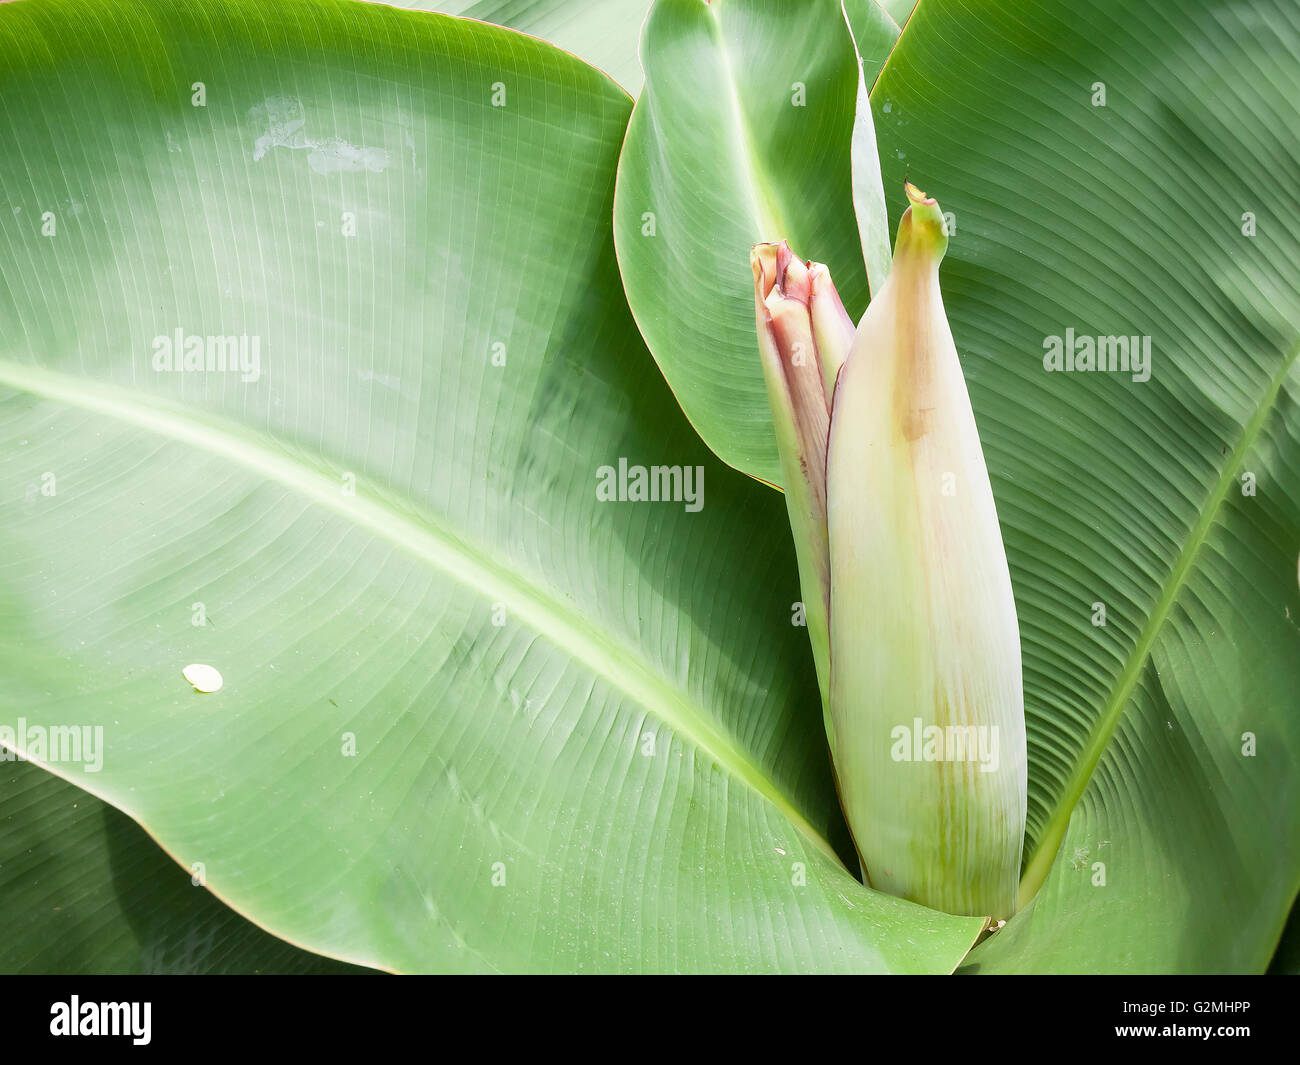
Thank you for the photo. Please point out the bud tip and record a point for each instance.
(917, 196)
(922, 229)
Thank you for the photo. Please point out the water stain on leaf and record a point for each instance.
(285, 122)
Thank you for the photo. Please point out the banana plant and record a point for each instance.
(323, 367)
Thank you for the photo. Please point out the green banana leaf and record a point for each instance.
(85, 890)
(603, 32)
(1286, 962)
(1163, 744)
(742, 134)
(1164, 818)
(899, 10)
(474, 717)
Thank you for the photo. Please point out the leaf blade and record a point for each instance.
(382, 750)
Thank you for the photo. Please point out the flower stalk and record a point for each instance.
(804, 336)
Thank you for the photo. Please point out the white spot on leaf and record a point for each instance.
(204, 678)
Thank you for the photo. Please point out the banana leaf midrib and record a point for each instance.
(1039, 862)
(769, 219)
(429, 540)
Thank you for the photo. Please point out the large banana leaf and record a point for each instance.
(1164, 826)
(1162, 744)
(473, 717)
(603, 32)
(742, 134)
(85, 890)
(899, 10)
(1286, 962)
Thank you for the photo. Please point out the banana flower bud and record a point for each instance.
(804, 335)
(899, 544)
(926, 699)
